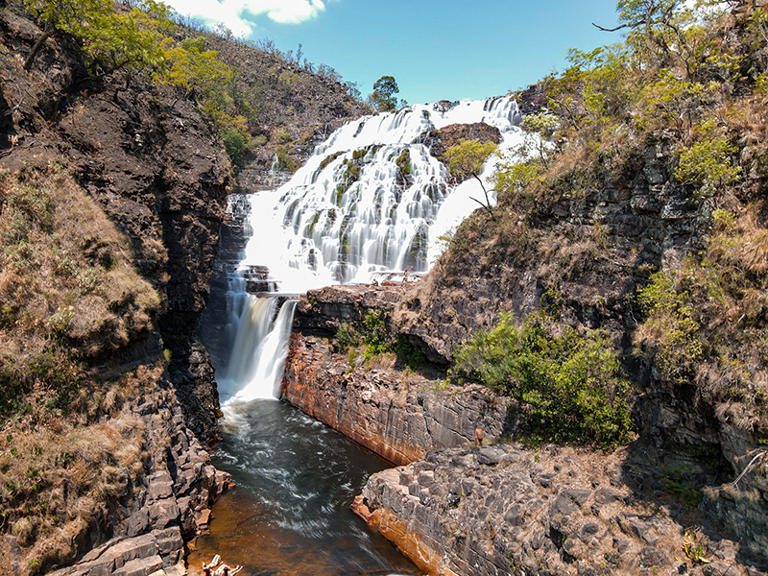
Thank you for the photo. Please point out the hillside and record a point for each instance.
(113, 179)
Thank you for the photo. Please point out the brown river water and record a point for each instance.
(290, 511)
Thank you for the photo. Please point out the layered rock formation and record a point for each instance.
(398, 415)
(172, 504)
(507, 509)
(502, 510)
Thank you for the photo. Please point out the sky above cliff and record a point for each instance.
(436, 49)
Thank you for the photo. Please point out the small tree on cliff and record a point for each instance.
(384, 96)
(466, 160)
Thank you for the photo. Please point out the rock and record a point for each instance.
(399, 418)
(491, 514)
(164, 513)
(490, 456)
(440, 140)
(140, 567)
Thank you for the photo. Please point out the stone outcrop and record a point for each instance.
(501, 510)
(172, 504)
(505, 509)
(398, 415)
(440, 140)
(323, 311)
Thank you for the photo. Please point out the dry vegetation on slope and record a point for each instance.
(645, 217)
(113, 176)
(68, 290)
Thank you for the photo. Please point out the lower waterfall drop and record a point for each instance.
(256, 363)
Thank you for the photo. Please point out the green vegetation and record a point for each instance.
(671, 325)
(708, 164)
(568, 382)
(404, 167)
(693, 549)
(372, 337)
(112, 39)
(466, 160)
(384, 95)
(678, 109)
(678, 484)
(143, 39)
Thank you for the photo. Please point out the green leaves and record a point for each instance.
(671, 325)
(466, 158)
(708, 164)
(384, 95)
(568, 381)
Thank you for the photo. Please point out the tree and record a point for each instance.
(60, 16)
(112, 38)
(465, 160)
(384, 97)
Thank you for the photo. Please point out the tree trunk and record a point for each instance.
(36, 48)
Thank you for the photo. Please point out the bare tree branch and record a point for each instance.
(616, 29)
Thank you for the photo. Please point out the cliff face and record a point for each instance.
(113, 191)
(400, 416)
(153, 165)
(503, 510)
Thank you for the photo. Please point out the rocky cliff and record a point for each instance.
(113, 196)
(398, 415)
(619, 227)
(504, 509)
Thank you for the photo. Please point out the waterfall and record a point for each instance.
(371, 199)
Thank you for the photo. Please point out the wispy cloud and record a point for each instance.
(237, 15)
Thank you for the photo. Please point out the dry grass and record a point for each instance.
(69, 293)
(64, 477)
(65, 268)
(69, 297)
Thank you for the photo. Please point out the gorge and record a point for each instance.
(244, 312)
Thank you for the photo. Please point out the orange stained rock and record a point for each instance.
(408, 542)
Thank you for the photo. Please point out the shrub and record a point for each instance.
(670, 326)
(570, 383)
(404, 167)
(347, 337)
(372, 337)
(511, 179)
(708, 164)
(236, 143)
(466, 159)
(284, 161)
(376, 335)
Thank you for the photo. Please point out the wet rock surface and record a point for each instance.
(503, 509)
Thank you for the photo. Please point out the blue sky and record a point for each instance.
(436, 49)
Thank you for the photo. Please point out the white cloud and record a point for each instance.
(237, 14)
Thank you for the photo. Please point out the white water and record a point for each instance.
(334, 224)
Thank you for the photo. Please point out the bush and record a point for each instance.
(708, 164)
(404, 167)
(236, 144)
(671, 326)
(373, 338)
(466, 159)
(568, 382)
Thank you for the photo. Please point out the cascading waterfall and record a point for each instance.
(371, 199)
